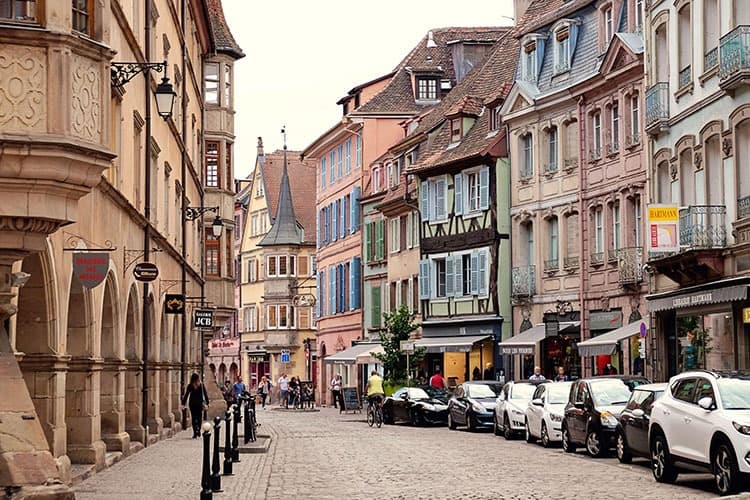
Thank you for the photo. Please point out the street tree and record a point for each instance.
(399, 325)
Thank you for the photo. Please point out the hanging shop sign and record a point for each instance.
(203, 318)
(174, 303)
(663, 228)
(145, 271)
(90, 268)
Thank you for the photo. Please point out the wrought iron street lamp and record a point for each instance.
(123, 72)
(217, 226)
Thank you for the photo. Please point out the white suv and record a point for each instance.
(703, 423)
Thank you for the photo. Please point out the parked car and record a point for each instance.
(702, 422)
(510, 411)
(414, 405)
(594, 404)
(632, 429)
(472, 404)
(544, 414)
(441, 395)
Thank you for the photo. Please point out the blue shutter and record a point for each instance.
(348, 156)
(573, 35)
(342, 292)
(322, 294)
(333, 165)
(352, 211)
(356, 208)
(484, 188)
(341, 161)
(458, 194)
(323, 173)
(335, 220)
(439, 210)
(458, 269)
(332, 290)
(424, 279)
(319, 293)
(424, 206)
(483, 254)
(356, 283)
(449, 276)
(474, 273)
(318, 229)
(359, 151)
(539, 56)
(342, 226)
(325, 225)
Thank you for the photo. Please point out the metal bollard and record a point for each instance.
(253, 423)
(227, 447)
(206, 493)
(247, 433)
(235, 436)
(215, 477)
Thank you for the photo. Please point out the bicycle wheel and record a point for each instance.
(379, 417)
(370, 417)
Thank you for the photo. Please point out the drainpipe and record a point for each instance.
(581, 214)
(183, 207)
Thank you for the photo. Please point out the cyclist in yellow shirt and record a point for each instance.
(374, 388)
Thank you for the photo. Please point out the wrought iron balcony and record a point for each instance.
(571, 262)
(551, 167)
(612, 254)
(734, 58)
(711, 59)
(630, 265)
(743, 207)
(685, 77)
(523, 281)
(703, 226)
(595, 153)
(613, 148)
(597, 258)
(552, 265)
(657, 107)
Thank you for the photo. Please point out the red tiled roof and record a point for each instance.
(302, 182)
(221, 35)
(468, 105)
(542, 12)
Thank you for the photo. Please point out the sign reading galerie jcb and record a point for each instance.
(90, 268)
(663, 228)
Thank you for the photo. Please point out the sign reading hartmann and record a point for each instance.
(203, 318)
(663, 228)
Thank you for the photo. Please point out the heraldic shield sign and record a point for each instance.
(90, 268)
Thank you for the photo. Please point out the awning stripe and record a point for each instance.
(607, 343)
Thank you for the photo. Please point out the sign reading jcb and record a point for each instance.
(203, 318)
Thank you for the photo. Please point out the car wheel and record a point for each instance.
(623, 455)
(451, 423)
(594, 445)
(415, 418)
(387, 418)
(507, 431)
(469, 423)
(529, 437)
(726, 473)
(545, 435)
(661, 464)
(567, 444)
(495, 427)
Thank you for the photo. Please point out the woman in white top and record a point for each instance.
(336, 390)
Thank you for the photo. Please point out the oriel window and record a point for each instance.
(82, 16)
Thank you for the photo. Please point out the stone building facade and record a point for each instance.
(117, 177)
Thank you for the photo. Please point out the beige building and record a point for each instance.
(91, 174)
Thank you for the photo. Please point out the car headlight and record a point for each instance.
(742, 428)
(555, 417)
(478, 408)
(608, 419)
(428, 407)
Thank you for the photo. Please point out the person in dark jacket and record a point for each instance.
(197, 400)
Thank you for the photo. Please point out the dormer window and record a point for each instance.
(562, 49)
(495, 117)
(529, 62)
(608, 25)
(427, 89)
(456, 129)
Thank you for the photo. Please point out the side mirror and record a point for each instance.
(706, 403)
(537, 402)
(404, 396)
(638, 413)
(579, 405)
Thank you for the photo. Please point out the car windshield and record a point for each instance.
(436, 393)
(735, 393)
(558, 392)
(417, 393)
(480, 391)
(522, 391)
(610, 392)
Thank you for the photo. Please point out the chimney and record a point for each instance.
(519, 9)
(260, 147)
(430, 41)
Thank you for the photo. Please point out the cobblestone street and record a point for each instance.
(328, 455)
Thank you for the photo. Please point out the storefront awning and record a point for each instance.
(607, 343)
(368, 357)
(697, 296)
(349, 356)
(461, 343)
(524, 342)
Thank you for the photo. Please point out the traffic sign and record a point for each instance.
(286, 356)
(203, 318)
(407, 346)
(145, 271)
(643, 330)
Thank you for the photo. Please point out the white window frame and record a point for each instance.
(553, 140)
(638, 220)
(635, 115)
(599, 230)
(597, 131)
(472, 201)
(394, 227)
(562, 51)
(290, 262)
(377, 174)
(529, 62)
(434, 196)
(527, 156)
(615, 126)
(608, 25)
(616, 227)
(458, 258)
(554, 239)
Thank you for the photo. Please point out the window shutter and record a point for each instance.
(368, 241)
(318, 290)
(357, 193)
(484, 188)
(458, 268)
(572, 42)
(342, 226)
(539, 56)
(322, 293)
(474, 273)
(379, 239)
(357, 282)
(323, 173)
(340, 288)
(458, 194)
(375, 296)
(483, 258)
(439, 208)
(424, 279)
(449, 274)
(318, 228)
(335, 220)
(332, 290)
(424, 207)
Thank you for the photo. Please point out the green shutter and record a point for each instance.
(375, 296)
(368, 241)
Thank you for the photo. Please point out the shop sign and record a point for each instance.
(517, 350)
(693, 300)
(663, 228)
(224, 344)
(174, 303)
(145, 271)
(255, 358)
(605, 320)
(203, 318)
(90, 268)
(746, 314)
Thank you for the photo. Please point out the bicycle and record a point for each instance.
(375, 411)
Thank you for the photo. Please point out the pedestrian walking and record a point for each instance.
(264, 389)
(227, 393)
(196, 398)
(238, 389)
(284, 390)
(293, 394)
(537, 376)
(476, 374)
(437, 381)
(336, 390)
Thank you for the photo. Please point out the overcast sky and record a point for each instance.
(303, 55)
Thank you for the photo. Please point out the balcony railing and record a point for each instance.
(523, 281)
(595, 153)
(571, 262)
(703, 226)
(734, 57)
(597, 258)
(711, 59)
(612, 254)
(613, 147)
(657, 104)
(686, 76)
(552, 265)
(632, 140)
(743, 207)
(630, 265)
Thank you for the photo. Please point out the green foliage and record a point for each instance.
(399, 325)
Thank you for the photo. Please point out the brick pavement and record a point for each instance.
(324, 455)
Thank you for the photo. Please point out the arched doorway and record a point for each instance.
(133, 384)
(222, 374)
(82, 381)
(233, 372)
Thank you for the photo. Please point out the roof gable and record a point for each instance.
(624, 49)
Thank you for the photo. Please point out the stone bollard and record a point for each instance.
(216, 466)
(227, 446)
(235, 435)
(206, 493)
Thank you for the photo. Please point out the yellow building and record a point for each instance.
(277, 287)
(97, 176)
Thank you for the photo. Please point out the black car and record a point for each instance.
(594, 404)
(473, 404)
(632, 431)
(414, 405)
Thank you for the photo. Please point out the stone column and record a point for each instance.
(26, 464)
(83, 423)
(113, 406)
